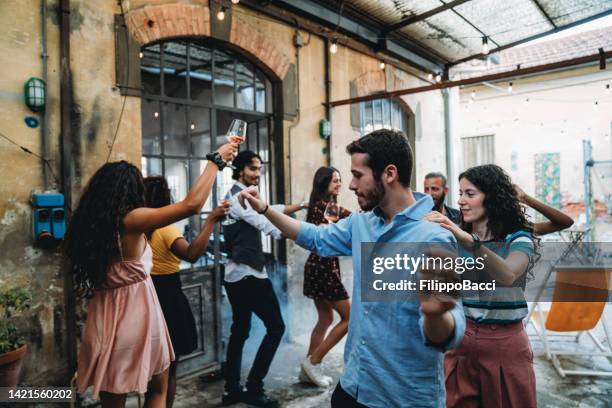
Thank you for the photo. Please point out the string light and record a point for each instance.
(485, 45)
(430, 76)
(333, 48)
(438, 77)
(221, 14)
(155, 114)
(140, 55)
(510, 87)
(527, 101)
(607, 89)
(596, 105)
(235, 1)
(473, 96)
(382, 65)
(192, 126)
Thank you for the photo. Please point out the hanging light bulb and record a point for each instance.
(438, 77)
(192, 126)
(510, 87)
(382, 65)
(485, 45)
(221, 14)
(235, 1)
(430, 76)
(155, 114)
(596, 105)
(140, 55)
(333, 48)
(527, 101)
(607, 89)
(473, 96)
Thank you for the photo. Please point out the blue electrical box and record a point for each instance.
(48, 218)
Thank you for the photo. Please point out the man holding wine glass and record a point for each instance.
(247, 285)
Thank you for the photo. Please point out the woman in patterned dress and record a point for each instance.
(322, 282)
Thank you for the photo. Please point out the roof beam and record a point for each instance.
(544, 13)
(533, 37)
(472, 25)
(477, 80)
(420, 17)
(362, 32)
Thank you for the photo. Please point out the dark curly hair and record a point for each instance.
(320, 185)
(157, 193)
(385, 147)
(91, 243)
(504, 211)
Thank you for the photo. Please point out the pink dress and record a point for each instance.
(125, 341)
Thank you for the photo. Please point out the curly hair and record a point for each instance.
(92, 242)
(157, 193)
(504, 211)
(320, 185)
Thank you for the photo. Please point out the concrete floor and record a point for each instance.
(282, 382)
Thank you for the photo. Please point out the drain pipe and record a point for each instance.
(449, 146)
(298, 42)
(67, 174)
(327, 97)
(44, 129)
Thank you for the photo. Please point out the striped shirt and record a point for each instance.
(506, 304)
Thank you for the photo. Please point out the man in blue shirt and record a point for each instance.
(393, 355)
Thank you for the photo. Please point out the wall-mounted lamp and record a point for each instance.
(35, 94)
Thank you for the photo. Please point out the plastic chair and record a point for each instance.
(579, 299)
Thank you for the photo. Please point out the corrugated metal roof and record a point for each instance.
(578, 45)
(457, 33)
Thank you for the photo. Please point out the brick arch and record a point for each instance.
(154, 23)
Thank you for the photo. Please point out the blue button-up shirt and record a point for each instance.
(388, 360)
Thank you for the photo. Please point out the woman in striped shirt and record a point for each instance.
(493, 366)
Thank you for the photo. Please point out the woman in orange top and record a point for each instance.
(169, 248)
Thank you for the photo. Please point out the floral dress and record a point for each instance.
(322, 274)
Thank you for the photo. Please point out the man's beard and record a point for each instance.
(439, 203)
(374, 197)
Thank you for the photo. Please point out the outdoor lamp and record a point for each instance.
(35, 94)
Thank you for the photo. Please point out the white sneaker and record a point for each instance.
(314, 374)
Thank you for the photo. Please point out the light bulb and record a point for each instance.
(192, 126)
(221, 14)
(235, 1)
(473, 94)
(430, 76)
(607, 89)
(155, 114)
(438, 77)
(382, 64)
(140, 55)
(333, 48)
(485, 45)
(527, 101)
(510, 87)
(596, 104)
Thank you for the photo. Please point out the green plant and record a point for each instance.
(13, 302)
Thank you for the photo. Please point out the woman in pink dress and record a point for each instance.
(125, 346)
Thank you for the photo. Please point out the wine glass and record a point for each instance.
(226, 220)
(332, 212)
(237, 133)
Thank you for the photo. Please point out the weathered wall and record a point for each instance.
(95, 115)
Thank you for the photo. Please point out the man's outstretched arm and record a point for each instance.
(288, 226)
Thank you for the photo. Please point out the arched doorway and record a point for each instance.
(192, 89)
